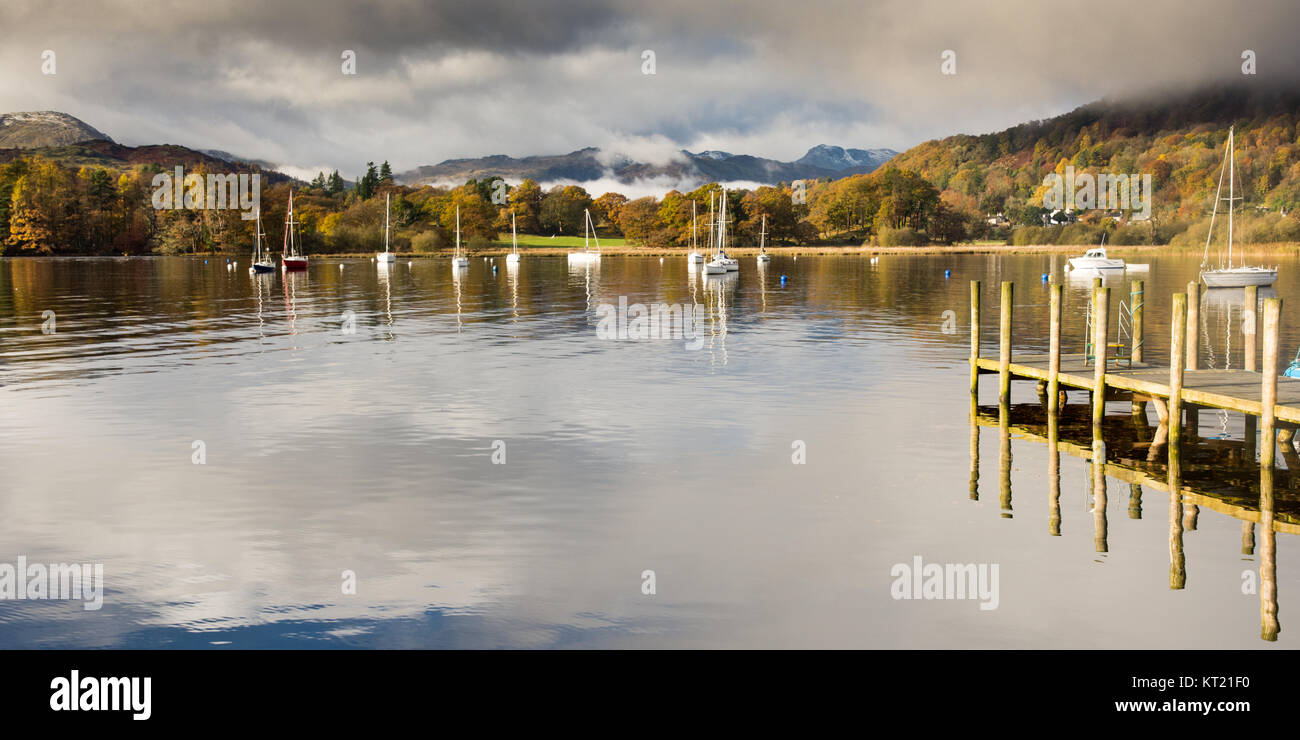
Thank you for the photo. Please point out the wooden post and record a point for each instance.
(1177, 336)
(1247, 538)
(1134, 501)
(1101, 318)
(1193, 323)
(1135, 298)
(1268, 393)
(1248, 325)
(1054, 353)
(974, 343)
(1004, 346)
(974, 459)
(1004, 460)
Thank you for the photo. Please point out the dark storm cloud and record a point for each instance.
(467, 78)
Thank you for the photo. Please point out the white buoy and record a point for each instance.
(409, 263)
(661, 260)
(340, 267)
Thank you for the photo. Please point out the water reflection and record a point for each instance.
(1202, 473)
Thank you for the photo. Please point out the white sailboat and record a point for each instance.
(695, 257)
(588, 234)
(457, 261)
(262, 263)
(290, 258)
(386, 257)
(763, 256)
(1226, 275)
(513, 257)
(721, 263)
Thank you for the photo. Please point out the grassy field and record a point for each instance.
(556, 242)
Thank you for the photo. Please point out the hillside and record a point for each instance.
(38, 129)
(1178, 139)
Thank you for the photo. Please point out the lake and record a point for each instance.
(397, 458)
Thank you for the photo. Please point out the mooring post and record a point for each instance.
(1177, 336)
(1248, 325)
(1135, 298)
(1193, 323)
(1101, 318)
(1268, 393)
(974, 344)
(1004, 346)
(1054, 353)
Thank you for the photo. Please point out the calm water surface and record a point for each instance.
(373, 452)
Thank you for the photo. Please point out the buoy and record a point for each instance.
(205, 262)
(947, 273)
(661, 260)
(783, 279)
(340, 267)
(1044, 277)
(494, 269)
(409, 263)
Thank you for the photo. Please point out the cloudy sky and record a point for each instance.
(467, 78)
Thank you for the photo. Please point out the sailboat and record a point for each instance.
(721, 263)
(386, 257)
(261, 262)
(588, 233)
(513, 257)
(1228, 276)
(290, 258)
(763, 256)
(458, 261)
(694, 258)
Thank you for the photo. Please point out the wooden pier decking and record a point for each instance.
(1232, 390)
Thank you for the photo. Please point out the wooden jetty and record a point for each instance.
(1124, 376)
(1114, 371)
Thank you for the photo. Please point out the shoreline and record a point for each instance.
(1261, 250)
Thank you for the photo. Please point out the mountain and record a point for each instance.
(47, 128)
(687, 170)
(838, 158)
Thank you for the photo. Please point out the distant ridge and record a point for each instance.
(37, 129)
(688, 169)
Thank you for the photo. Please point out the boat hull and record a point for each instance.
(1085, 263)
(715, 268)
(294, 264)
(1239, 277)
(388, 257)
(512, 259)
(262, 267)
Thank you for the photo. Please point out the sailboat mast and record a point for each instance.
(458, 231)
(692, 225)
(288, 228)
(387, 200)
(762, 234)
(514, 235)
(1232, 170)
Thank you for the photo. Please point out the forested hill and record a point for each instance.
(1177, 138)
